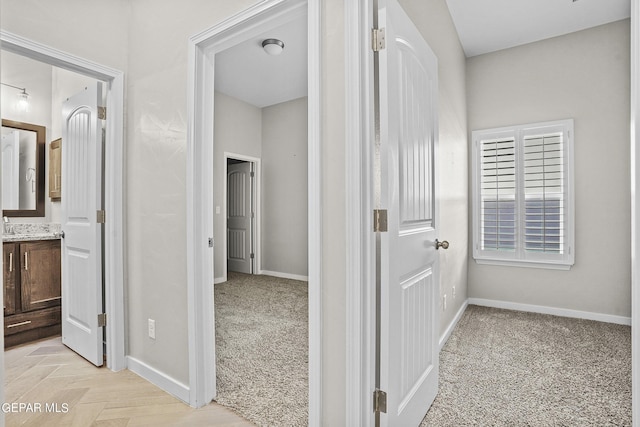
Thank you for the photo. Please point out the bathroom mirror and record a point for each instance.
(22, 169)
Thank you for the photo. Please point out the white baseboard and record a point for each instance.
(564, 312)
(284, 275)
(447, 333)
(165, 382)
(219, 280)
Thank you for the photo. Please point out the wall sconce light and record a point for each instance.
(273, 46)
(23, 98)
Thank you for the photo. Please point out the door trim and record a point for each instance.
(360, 293)
(202, 49)
(257, 264)
(635, 210)
(113, 196)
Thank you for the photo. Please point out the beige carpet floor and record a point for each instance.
(262, 348)
(509, 368)
(499, 367)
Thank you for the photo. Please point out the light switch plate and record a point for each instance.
(152, 329)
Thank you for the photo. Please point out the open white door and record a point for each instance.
(409, 280)
(239, 218)
(82, 239)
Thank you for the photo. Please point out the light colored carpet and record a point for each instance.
(262, 348)
(509, 368)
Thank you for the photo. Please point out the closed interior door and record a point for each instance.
(81, 199)
(409, 278)
(239, 218)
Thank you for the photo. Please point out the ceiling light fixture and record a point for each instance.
(273, 46)
(23, 97)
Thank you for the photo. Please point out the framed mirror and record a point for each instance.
(22, 170)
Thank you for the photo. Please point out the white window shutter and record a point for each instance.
(544, 192)
(498, 194)
(523, 201)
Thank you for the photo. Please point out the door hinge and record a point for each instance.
(102, 113)
(379, 401)
(378, 39)
(253, 174)
(253, 214)
(210, 242)
(102, 319)
(252, 256)
(100, 216)
(379, 220)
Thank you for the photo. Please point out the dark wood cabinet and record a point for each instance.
(32, 291)
(9, 277)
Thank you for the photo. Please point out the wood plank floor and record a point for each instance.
(48, 373)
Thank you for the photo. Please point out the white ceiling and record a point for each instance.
(489, 25)
(248, 73)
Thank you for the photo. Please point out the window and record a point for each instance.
(523, 195)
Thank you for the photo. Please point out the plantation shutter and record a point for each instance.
(544, 192)
(523, 195)
(498, 194)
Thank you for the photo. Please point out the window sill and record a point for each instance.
(525, 264)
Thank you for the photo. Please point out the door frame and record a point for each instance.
(200, 275)
(361, 249)
(255, 196)
(113, 179)
(635, 210)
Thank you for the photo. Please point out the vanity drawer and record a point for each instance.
(27, 321)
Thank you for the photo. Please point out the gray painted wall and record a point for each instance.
(584, 76)
(284, 188)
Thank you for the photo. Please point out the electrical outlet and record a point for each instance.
(453, 292)
(444, 301)
(218, 210)
(152, 329)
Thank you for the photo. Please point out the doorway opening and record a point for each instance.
(201, 204)
(113, 335)
(242, 215)
(261, 315)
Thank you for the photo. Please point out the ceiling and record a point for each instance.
(489, 25)
(248, 73)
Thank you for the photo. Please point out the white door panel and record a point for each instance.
(409, 261)
(239, 218)
(82, 243)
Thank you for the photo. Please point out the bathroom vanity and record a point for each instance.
(32, 291)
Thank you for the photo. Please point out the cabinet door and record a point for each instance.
(40, 274)
(55, 169)
(9, 277)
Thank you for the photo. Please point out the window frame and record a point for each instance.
(519, 256)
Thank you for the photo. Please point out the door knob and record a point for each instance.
(62, 234)
(444, 244)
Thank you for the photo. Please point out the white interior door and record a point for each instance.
(409, 281)
(10, 170)
(82, 243)
(239, 218)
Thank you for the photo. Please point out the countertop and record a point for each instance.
(21, 232)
